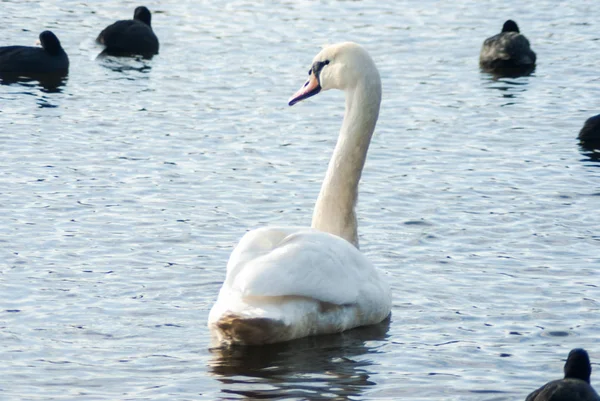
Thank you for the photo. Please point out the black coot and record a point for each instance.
(590, 133)
(576, 384)
(30, 61)
(507, 53)
(130, 37)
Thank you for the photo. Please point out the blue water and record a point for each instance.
(123, 192)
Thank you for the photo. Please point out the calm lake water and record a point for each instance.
(123, 192)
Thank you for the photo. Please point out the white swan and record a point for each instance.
(287, 283)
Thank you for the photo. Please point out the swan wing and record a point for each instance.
(298, 262)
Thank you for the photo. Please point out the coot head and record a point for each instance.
(142, 14)
(50, 43)
(578, 365)
(510, 26)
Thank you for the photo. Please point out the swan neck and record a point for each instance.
(335, 208)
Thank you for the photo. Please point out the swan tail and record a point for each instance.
(235, 329)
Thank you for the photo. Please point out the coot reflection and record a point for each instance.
(124, 64)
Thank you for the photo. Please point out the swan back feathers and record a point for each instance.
(304, 263)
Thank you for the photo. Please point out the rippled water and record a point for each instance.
(124, 191)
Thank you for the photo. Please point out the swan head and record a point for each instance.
(341, 66)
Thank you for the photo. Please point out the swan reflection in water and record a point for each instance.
(322, 367)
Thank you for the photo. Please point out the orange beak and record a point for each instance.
(310, 88)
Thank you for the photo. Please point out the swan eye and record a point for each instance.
(318, 66)
(310, 71)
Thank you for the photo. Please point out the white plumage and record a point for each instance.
(289, 282)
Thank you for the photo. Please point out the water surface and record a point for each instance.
(124, 190)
